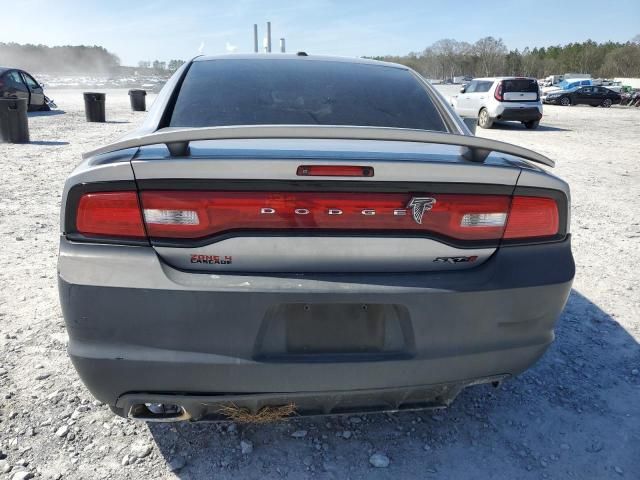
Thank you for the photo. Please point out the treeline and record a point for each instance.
(489, 56)
(161, 67)
(65, 59)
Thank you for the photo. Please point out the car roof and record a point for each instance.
(298, 58)
(504, 78)
(4, 69)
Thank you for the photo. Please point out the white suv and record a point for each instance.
(500, 98)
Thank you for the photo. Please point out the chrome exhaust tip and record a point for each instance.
(158, 412)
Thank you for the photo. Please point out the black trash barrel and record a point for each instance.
(137, 99)
(94, 106)
(14, 125)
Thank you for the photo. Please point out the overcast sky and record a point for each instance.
(163, 29)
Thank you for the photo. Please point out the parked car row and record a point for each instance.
(520, 99)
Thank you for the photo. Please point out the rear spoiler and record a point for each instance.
(177, 140)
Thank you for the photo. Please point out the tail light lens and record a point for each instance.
(463, 217)
(532, 217)
(498, 94)
(110, 214)
(200, 214)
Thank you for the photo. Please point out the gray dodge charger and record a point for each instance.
(318, 233)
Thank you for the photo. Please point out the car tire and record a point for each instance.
(565, 101)
(45, 108)
(606, 103)
(532, 124)
(484, 120)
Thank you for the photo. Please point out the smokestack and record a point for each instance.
(268, 37)
(282, 47)
(255, 37)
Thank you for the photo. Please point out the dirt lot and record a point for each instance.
(576, 414)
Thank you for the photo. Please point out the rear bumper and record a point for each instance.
(520, 114)
(139, 329)
(325, 402)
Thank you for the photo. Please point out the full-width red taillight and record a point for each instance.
(198, 214)
(532, 217)
(110, 214)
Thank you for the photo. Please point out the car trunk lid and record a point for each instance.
(313, 205)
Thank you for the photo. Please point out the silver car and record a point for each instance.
(314, 233)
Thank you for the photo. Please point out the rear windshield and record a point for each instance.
(521, 85)
(302, 92)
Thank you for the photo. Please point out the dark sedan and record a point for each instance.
(15, 83)
(590, 95)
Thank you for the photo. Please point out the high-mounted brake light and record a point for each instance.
(110, 214)
(334, 171)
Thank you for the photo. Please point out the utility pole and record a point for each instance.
(255, 37)
(268, 37)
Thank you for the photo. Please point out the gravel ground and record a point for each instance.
(576, 414)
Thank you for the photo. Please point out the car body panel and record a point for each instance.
(286, 253)
(36, 93)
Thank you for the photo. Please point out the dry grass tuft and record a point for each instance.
(266, 414)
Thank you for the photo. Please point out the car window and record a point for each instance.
(301, 92)
(585, 82)
(528, 85)
(483, 86)
(30, 81)
(586, 90)
(14, 80)
(471, 88)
